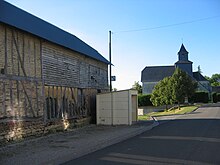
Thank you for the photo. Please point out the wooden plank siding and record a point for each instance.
(44, 80)
(64, 67)
(71, 82)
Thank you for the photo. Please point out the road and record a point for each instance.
(189, 139)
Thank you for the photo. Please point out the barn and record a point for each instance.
(49, 78)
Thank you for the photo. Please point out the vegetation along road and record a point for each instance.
(187, 139)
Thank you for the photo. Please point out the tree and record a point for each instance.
(162, 93)
(173, 89)
(114, 89)
(199, 69)
(137, 86)
(214, 80)
(182, 86)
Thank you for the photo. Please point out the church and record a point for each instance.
(151, 75)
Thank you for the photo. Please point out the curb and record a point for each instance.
(176, 116)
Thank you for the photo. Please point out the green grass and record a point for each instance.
(175, 111)
(144, 117)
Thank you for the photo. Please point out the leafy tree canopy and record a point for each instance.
(173, 89)
(214, 79)
(137, 86)
(162, 93)
(183, 86)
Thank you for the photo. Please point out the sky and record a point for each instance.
(144, 32)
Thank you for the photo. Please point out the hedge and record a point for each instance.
(200, 97)
(218, 97)
(144, 100)
(215, 97)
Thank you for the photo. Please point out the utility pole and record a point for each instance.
(110, 60)
(110, 76)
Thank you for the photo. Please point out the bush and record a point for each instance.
(214, 97)
(200, 97)
(144, 100)
(218, 97)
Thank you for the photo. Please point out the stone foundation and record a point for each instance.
(17, 130)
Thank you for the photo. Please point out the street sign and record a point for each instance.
(113, 78)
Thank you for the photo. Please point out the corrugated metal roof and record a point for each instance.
(23, 20)
(156, 73)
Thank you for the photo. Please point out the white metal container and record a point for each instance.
(117, 108)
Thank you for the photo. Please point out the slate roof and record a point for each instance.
(156, 73)
(184, 62)
(183, 50)
(25, 21)
(199, 77)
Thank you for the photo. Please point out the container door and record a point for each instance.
(134, 108)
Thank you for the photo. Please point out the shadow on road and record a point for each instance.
(180, 141)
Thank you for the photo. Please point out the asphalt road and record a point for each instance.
(189, 139)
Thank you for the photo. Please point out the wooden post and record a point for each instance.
(57, 97)
(18, 97)
(6, 52)
(37, 100)
(35, 63)
(67, 102)
(17, 58)
(61, 100)
(53, 102)
(25, 106)
(17, 86)
(23, 50)
(64, 102)
(60, 105)
(43, 84)
(49, 103)
(74, 102)
(4, 98)
(11, 98)
(29, 59)
(12, 53)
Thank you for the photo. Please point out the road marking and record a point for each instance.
(203, 139)
(143, 160)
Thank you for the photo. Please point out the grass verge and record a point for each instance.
(175, 111)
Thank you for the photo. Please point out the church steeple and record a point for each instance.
(183, 53)
(183, 61)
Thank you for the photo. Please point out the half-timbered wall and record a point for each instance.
(43, 84)
(20, 76)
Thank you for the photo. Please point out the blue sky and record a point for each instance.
(132, 48)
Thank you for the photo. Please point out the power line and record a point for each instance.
(169, 25)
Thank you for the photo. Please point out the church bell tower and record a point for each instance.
(183, 62)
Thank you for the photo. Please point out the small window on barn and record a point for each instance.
(2, 71)
(51, 105)
(80, 96)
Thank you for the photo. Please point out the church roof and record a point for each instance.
(25, 21)
(156, 73)
(199, 77)
(184, 62)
